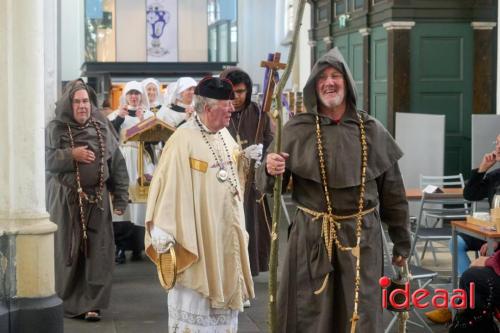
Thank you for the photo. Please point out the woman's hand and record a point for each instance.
(140, 113)
(83, 155)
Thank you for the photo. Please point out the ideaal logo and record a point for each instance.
(400, 298)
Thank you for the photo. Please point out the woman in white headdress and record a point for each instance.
(151, 88)
(178, 102)
(133, 109)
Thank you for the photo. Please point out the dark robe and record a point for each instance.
(83, 282)
(257, 214)
(482, 185)
(306, 261)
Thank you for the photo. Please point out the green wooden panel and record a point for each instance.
(351, 47)
(320, 48)
(441, 83)
(446, 66)
(356, 63)
(342, 42)
(378, 74)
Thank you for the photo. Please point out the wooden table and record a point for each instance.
(475, 231)
(448, 193)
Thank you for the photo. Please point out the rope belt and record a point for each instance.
(328, 233)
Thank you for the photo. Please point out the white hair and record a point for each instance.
(200, 102)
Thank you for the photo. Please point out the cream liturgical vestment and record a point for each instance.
(205, 216)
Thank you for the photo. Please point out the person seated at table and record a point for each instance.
(485, 273)
(481, 185)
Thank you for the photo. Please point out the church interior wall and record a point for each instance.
(72, 38)
(130, 30)
(193, 30)
(261, 30)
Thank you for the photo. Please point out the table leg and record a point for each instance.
(454, 259)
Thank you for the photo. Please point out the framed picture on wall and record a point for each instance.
(161, 21)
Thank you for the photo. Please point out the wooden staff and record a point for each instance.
(277, 115)
(272, 66)
(404, 315)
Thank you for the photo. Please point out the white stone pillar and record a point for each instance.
(52, 77)
(26, 234)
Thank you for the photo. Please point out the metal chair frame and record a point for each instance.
(437, 208)
(418, 274)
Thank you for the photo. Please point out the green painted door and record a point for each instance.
(320, 49)
(351, 47)
(441, 83)
(378, 74)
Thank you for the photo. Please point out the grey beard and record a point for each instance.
(332, 103)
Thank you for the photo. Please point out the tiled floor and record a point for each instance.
(138, 303)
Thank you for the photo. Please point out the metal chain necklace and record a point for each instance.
(329, 230)
(82, 196)
(237, 128)
(222, 174)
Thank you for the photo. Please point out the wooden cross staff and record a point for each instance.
(272, 65)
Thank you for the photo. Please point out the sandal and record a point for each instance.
(93, 316)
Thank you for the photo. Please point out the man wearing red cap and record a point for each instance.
(195, 205)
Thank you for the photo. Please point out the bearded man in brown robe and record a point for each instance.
(346, 180)
(84, 165)
(243, 128)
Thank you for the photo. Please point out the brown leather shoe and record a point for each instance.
(439, 316)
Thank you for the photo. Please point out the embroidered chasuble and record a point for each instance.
(205, 216)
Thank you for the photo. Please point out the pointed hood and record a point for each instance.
(236, 75)
(64, 107)
(341, 140)
(332, 58)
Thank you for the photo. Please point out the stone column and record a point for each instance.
(484, 64)
(398, 65)
(51, 57)
(365, 33)
(28, 302)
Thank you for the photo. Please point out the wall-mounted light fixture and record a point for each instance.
(343, 20)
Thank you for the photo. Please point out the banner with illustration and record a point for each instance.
(161, 20)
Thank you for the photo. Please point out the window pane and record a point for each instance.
(212, 44)
(322, 13)
(320, 49)
(100, 30)
(223, 38)
(223, 32)
(234, 43)
(339, 7)
(358, 4)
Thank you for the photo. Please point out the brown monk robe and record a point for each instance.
(243, 126)
(307, 261)
(83, 268)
